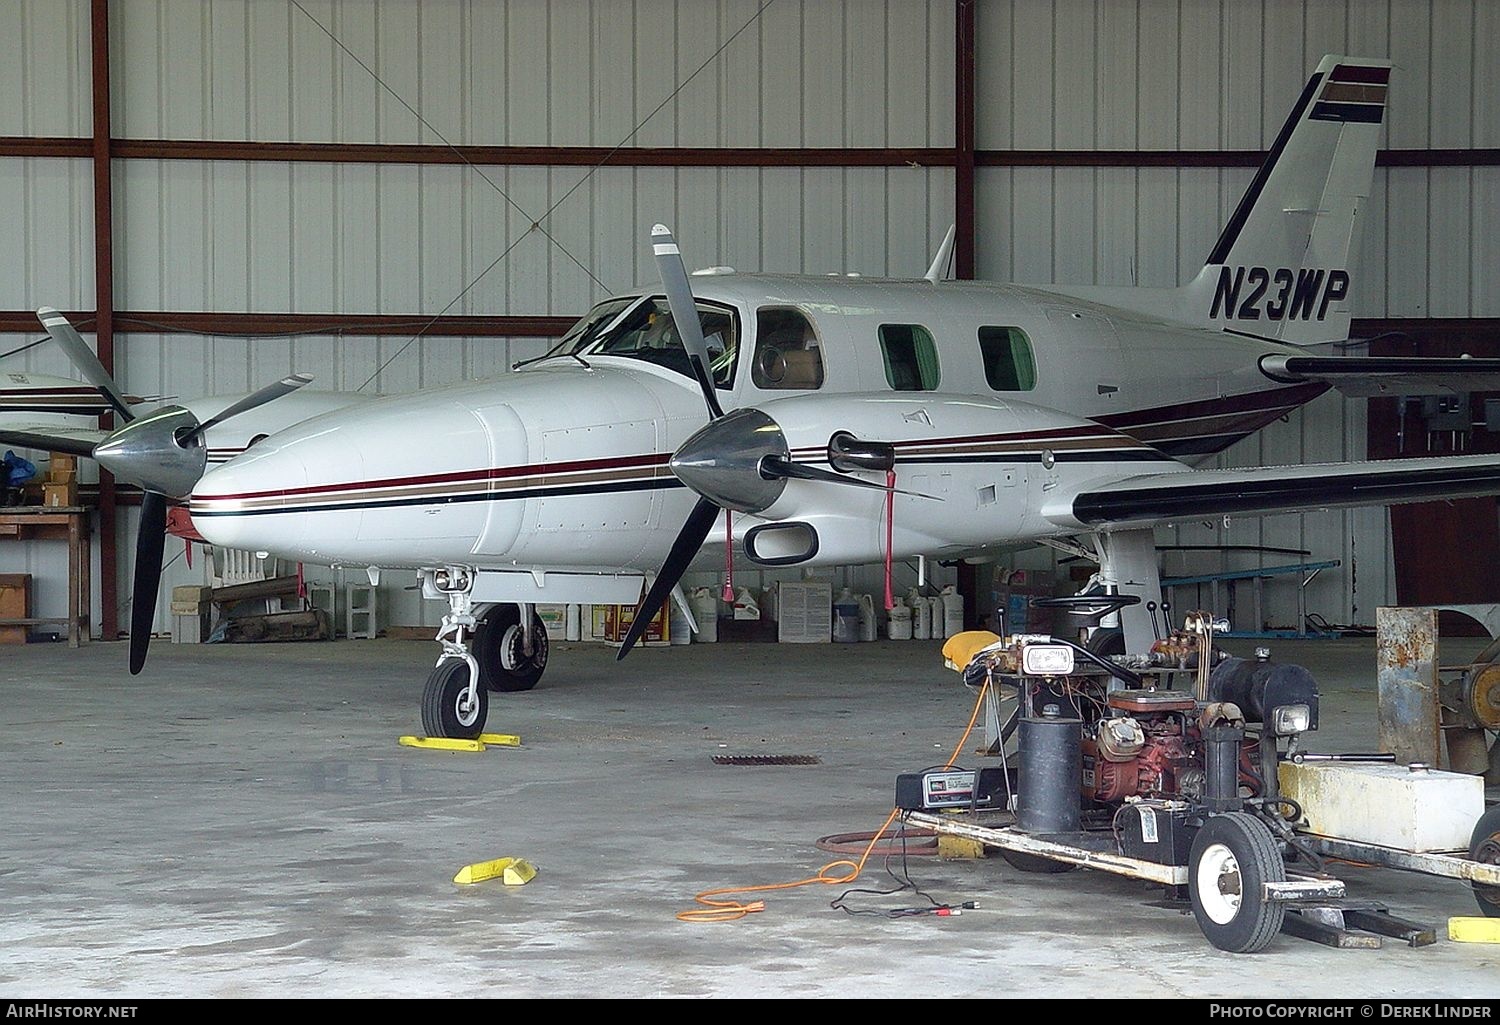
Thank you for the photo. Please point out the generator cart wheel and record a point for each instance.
(1484, 846)
(1232, 859)
(447, 710)
(498, 648)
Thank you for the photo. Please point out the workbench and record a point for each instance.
(56, 523)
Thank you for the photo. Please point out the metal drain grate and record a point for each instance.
(767, 760)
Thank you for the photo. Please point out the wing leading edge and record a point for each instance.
(1157, 498)
(1373, 376)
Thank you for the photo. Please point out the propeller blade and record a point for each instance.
(674, 282)
(776, 466)
(699, 522)
(270, 392)
(82, 357)
(149, 543)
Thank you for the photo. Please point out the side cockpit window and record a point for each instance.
(787, 353)
(1008, 362)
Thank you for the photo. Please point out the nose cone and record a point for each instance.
(146, 452)
(243, 503)
(722, 461)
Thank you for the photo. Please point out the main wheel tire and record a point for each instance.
(446, 712)
(1233, 857)
(498, 641)
(1484, 846)
(1024, 862)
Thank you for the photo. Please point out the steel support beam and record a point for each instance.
(104, 300)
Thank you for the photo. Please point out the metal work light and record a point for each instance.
(1287, 720)
(1047, 660)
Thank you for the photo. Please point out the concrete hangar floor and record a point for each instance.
(240, 821)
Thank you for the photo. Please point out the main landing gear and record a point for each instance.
(501, 648)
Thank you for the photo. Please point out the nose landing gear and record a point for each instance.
(498, 647)
(454, 704)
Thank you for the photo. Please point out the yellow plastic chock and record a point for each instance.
(441, 743)
(512, 871)
(1474, 930)
(500, 739)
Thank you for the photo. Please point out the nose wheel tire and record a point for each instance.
(1233, 857)
(499, 648)
(447, 708)
(1484, 846)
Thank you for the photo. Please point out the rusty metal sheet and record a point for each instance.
(1407, 683)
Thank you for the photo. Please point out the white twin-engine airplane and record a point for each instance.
(866, 418)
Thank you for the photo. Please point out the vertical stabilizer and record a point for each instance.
(1281, 269)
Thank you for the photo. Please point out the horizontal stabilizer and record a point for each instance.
(1373, 376)
(1151, 499)
(78, 441)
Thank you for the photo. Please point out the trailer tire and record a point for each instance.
(1233, 857)
(1484, 846)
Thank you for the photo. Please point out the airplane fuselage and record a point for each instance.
(561, 467)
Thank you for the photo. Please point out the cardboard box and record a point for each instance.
(192, 592)
(804, 612)
(60, 495)
(62, 468)
(15, 603)
(555, 619)
(189, 628)
(618, 618)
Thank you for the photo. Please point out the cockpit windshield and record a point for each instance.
(646, 332)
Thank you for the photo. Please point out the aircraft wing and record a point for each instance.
(1150, 499)
(79, 441)
(1374, 376)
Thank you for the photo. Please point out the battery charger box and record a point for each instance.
(951, 788)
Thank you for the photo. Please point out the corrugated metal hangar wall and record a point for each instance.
(264, 163)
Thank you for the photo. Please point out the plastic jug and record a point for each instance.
(866, 617)
(953, 611)
(679, 631)
(706, 612)
(898, 622)
(573, 623)
(845, 618)
(745, 605)
(768, 608)
(921, 615)
(935, 618)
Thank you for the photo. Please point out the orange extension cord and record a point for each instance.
(716, 910)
